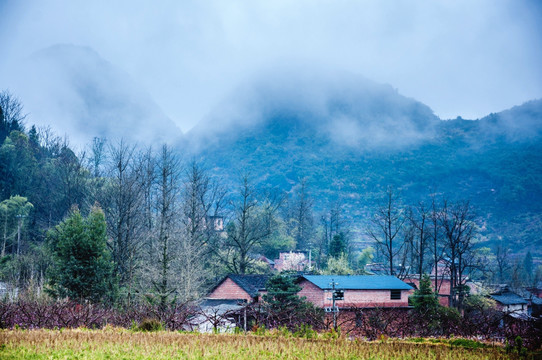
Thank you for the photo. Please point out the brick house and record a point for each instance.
(246, 288)
(360, 291)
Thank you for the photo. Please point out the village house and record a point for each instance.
(218, 315)
(244, 288)
(510, 302)
(360, 291)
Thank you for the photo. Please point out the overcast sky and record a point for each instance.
(460, 57)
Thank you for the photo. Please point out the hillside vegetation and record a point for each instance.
(353, 140)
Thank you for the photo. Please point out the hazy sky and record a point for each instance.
(460, 57)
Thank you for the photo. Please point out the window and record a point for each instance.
(395, 294)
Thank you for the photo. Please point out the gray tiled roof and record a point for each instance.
(252, 284)
(508, 298)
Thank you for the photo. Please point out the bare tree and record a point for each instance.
(247, 228)
(168, 191)
(332, 223)
(73, 178)
(459, 229)
(436, 237)
(97, 155)
(123, 203)
(11, 114)
(201, 227)
(419, 217)
(148, 182)
(502, 261)
(302, 216)
(389, 230)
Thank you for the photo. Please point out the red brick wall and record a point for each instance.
(312, 292)
(352, 298)
(371, 298)
(228, 289)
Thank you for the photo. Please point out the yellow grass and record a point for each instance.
(113, 343)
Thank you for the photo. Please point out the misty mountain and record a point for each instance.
(338, 108)
(352, 138)
(76, 92)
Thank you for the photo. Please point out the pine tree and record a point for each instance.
(82, 269)
(282, 294)
(337, 246)
(424, 300)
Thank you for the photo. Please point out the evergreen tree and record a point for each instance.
(282, 294)
(337, 246)
(424, 300)
(82, 269)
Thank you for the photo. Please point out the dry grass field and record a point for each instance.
(116, 343)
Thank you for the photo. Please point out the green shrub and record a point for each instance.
(305, 331)
(467, 343)
(150, 324)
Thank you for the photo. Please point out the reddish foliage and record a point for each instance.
(67, 314)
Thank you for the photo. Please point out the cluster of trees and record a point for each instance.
(153, 220)
(441, 238)
(155, 223)
(417, 239)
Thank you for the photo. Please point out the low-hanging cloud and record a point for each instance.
(459, 57)
(314, 103)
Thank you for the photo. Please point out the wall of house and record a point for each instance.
(515, 308)
(312, 292)
(352, 298)
(371, 298)
(228, 289)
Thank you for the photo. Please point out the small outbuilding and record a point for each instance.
(510, 302)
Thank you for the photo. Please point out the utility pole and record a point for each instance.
(336, 294)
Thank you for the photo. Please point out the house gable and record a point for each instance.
(239, 287)
(228, 289)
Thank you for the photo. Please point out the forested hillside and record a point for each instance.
(352, 141)
(284, 170)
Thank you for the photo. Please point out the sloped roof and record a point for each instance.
(358, 282)
(252, 284)
(508, 298)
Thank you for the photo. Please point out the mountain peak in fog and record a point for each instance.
(343, 108)
(75, 91)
